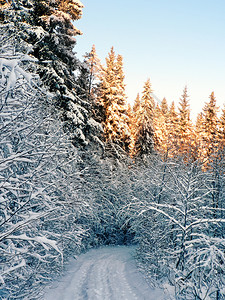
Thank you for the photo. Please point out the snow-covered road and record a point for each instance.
(107, 273)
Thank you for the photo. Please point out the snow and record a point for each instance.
(45, 242)
(78, 3)
(12, 72)
(107, 273)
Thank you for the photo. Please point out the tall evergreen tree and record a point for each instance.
(130, 115)
(184, 126)
(222, 130)
(137, 103)
(47, 29)
(88, 81)
(160, 130)
(173, 121)
(164, 125)
(164, 108)
(112, 95)
(210, 126)
(142, 142)
(198, 132)
(94, 66)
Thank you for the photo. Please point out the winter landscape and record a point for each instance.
(101, 197)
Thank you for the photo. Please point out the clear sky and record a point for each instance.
(172, 42)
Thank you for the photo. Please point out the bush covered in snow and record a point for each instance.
(177, 213)
(39, 180)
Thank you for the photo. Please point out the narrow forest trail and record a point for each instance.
(107, 273)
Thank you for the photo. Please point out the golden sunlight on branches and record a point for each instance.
(72, 7)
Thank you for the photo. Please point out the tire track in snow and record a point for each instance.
(107, 273)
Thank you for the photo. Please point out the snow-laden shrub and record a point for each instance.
(175, 211)
(39, 204)
(105, 199)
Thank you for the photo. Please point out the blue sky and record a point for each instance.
(172, 42)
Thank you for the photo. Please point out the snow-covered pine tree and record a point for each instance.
(94, 66)
(47, 28)
(222, 130)
(184, 126)
(123, 105)
(210, 127)
(219, 170)
(161, 127)
(87, 89)
(89, 76)
(137, 103)
(164, 108)
(198, 147)
(142, 140)
(131, 116)
(160, 131)
(214, 157)
(173, 120)
(132, 124)
(112, 95)
(82, 83)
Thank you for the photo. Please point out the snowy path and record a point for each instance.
(104, 274)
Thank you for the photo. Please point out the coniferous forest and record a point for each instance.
(81, 168)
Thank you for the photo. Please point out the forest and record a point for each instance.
(81, 168)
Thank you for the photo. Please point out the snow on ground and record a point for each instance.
(107, 273)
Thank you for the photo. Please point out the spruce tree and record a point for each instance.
(164, 108)
(130, 115)
(90, 77)
(137, 103)
(47, 29)
(112, 95)
(210, 126)
(199, 132)
(160, 130)
(142, 142)
(173, 121)
(88, 80)
(164, 126)
(184, 126)
(133, 123)
(94, 66)
(222, 130)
